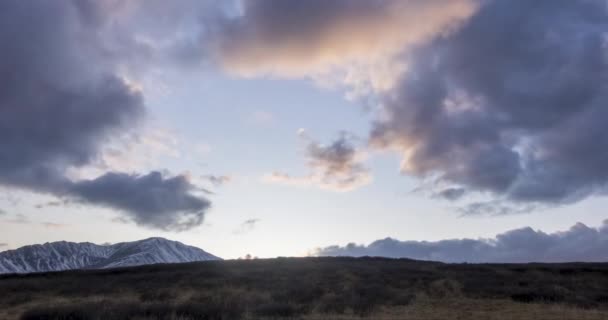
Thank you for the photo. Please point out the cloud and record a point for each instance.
(2, 244)
(247, 226)
(19, 219)
(134, 151)
(217, 181)
(511, 104)
(48, 224)
(54, 107)
(305, 38)
(579, 243)
(10, 196)
(336, 166)
(63, 95)
(451, 194)
(23, 219)
(155, 201)
(47, 204)
(496, 208)
(517, 115)
(338, 163)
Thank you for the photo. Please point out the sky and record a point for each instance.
(451, 130)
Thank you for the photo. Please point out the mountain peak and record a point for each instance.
(63, 255)
(160, 239)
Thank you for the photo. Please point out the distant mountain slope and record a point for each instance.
(57, 256)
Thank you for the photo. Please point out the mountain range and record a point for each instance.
(62, 255)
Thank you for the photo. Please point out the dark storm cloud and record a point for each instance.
(580, 243)
(152, 201)
(513, 103)
(61, 97)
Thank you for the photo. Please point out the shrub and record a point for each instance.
(445, 288)
(275, 310)
(157, 295)
(332, 303)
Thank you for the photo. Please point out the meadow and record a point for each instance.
(312, 288)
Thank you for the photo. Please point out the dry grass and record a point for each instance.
(312, 288)
(485, 309)
(453, 309)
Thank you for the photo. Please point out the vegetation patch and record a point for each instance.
(309, 288)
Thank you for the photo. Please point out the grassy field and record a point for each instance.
(312, 288)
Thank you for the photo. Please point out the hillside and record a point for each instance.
(312, 288)
(63, 255)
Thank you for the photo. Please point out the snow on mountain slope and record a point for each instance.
(58, 256)
(155, 250)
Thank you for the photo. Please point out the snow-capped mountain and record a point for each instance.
(62, 255)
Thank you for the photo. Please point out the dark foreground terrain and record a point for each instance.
(312, 288)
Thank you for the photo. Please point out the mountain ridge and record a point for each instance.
(64, 255)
